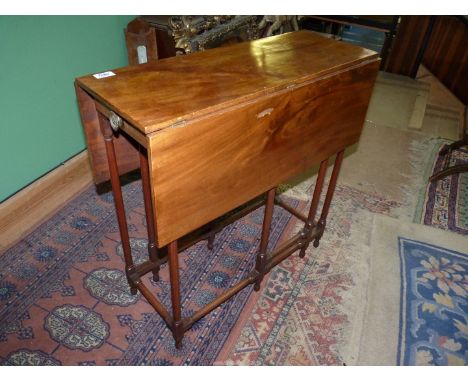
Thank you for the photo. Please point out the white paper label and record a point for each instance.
(103, 75)
(141, 52)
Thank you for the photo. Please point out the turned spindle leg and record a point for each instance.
(328, 197)
(313, 207)
(211, 240)
(118, 199)
(150, 222)
(177, 330)
(261, 257)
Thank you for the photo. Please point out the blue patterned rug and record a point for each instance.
(64, 299)
(433, 305)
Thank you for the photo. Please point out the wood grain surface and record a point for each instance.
(214, 164)
(158, 94)
(127, 154)
(225, 125)
(446, 55)
(405, 54)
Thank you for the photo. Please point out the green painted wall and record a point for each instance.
(39, 58)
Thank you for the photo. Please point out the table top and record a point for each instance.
(158, 94)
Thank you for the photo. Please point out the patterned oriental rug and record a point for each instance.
(313, 312)
(445, 203)
(310, 312)
(64, 299)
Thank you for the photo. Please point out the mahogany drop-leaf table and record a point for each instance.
(214, 133)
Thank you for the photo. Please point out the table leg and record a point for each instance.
(118, 199)
(328, 197)
(150, 222)
(177, 330)
(307, 231)
(211, 240)
(261, 257)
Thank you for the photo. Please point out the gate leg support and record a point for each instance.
(328, 197)
(177, 330)
(261, 257)
(107, 133)
(150, 222)
(307, 231)
(211, 240)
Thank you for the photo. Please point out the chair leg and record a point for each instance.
(447, 151)
(449, 171)
(455, 145)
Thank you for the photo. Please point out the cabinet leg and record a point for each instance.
(177, 329)
(118, 198)
(261, 257)
(150, 222)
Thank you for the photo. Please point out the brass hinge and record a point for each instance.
(115, 121)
